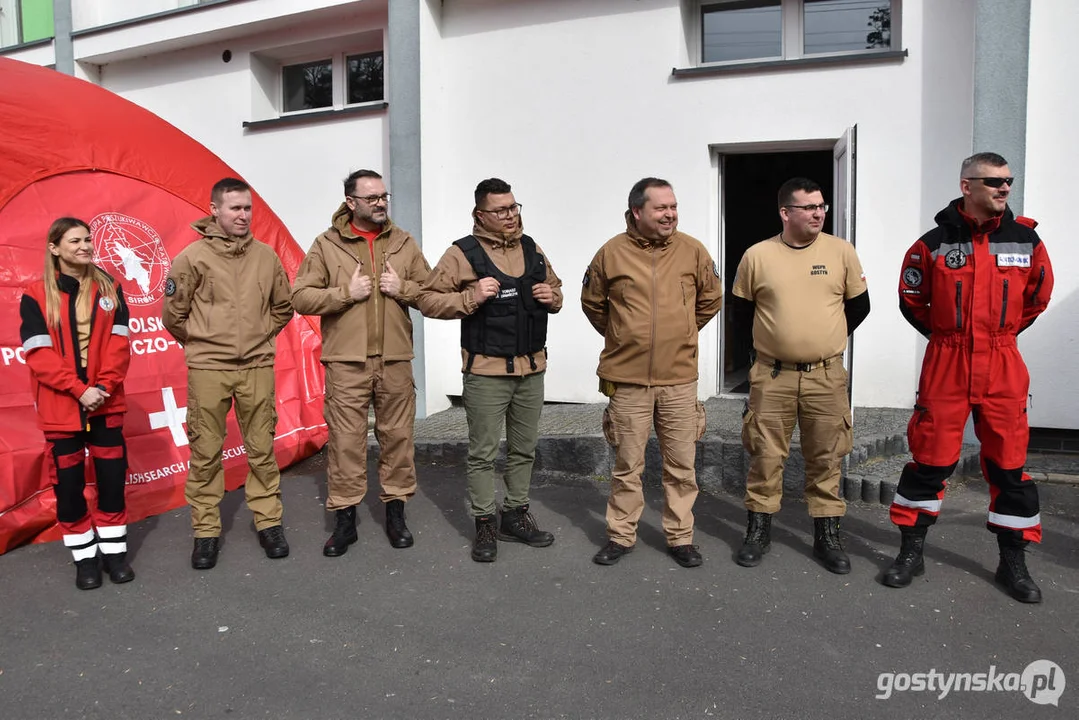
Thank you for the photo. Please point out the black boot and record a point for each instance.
(87, 574)
(1012, 572)
(758, 540)
(396, 530)
(485, 548)
(828, 547)
(518, 525)
(272, 540)
(909, 562)
(344, 532)
(204, 554)
(117, 568)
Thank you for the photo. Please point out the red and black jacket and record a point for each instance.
(973, 280)
(58, 376)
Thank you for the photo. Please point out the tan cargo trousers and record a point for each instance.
(350, 389)
(627, 422)
(210, 394)
(817, 401)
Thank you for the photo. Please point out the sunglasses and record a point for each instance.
(995, 182)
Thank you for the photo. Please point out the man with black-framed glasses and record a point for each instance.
(500, 285)
(971, 285)
(804, 293)
(361, 276)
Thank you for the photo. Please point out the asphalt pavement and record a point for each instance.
(543, 633)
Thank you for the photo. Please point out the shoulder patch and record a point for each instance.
(912, 277)
(587, 277)
(715, 269)
(170, 287)
(106, 304)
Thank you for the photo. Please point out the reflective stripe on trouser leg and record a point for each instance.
(486, 400)
(112, 538)
(348, 397)
(522, 433)
(676, 428)
(256, 412)
(1014, 506)
(824, 424)
(209, 397)
(395, 416)
(767, 427)
(629, 412)
(83, 545)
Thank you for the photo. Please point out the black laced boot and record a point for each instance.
(758, 539)
(117, 567)
(909, 562)
(518, 525)
(87, 573)
(1012, 572)
(344, 532)
(828, 547)
(485, 548)
(396, 530)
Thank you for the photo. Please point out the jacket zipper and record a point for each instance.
(959, 304)
(655, 310)
(1004, 305)
(1038, 287)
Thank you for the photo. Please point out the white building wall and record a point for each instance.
(298, 169)
(1051, 345)
(573, 102)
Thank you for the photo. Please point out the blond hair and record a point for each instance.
(53, 304)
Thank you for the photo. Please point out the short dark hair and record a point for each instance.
(787, 189)
(350, 181)
(637, 194)
(983, 158)
(227, 185)
(491, 186)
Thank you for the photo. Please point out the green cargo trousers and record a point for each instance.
(490, 401)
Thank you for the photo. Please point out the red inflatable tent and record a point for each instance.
(69, 147)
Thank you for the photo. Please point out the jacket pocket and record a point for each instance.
(958, 304)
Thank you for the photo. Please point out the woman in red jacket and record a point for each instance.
(75, 335)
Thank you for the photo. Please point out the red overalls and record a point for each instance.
(971, 289)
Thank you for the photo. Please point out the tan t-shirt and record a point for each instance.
(799, 293)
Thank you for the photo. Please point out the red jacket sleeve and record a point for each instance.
(916, 287)
(116, 355)
(1039, 287)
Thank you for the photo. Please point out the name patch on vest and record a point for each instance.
(1013, 260)
(507, 293)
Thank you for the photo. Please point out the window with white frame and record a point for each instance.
(732, 31)
(339, 80)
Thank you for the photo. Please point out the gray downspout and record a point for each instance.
(1001, 63)
(403, 96)
(62, 43)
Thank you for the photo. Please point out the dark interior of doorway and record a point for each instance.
(750, 184)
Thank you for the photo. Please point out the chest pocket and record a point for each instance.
(689, 303)
(1009, 281)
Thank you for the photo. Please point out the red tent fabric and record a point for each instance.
(69, 147)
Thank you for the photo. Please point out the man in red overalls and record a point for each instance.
(971, 285)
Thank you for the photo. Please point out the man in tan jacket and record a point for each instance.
(361, 276)
(226, 299)
(499, 283)
(649, 291)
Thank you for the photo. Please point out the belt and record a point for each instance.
(778, 365)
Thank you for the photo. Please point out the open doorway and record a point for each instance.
(748, 187)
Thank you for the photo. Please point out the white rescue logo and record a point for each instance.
(135, 252)
(955, 259)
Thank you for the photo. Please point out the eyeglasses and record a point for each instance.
(823, 207)
(994, 182)
(503, 213)
(372, 199)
